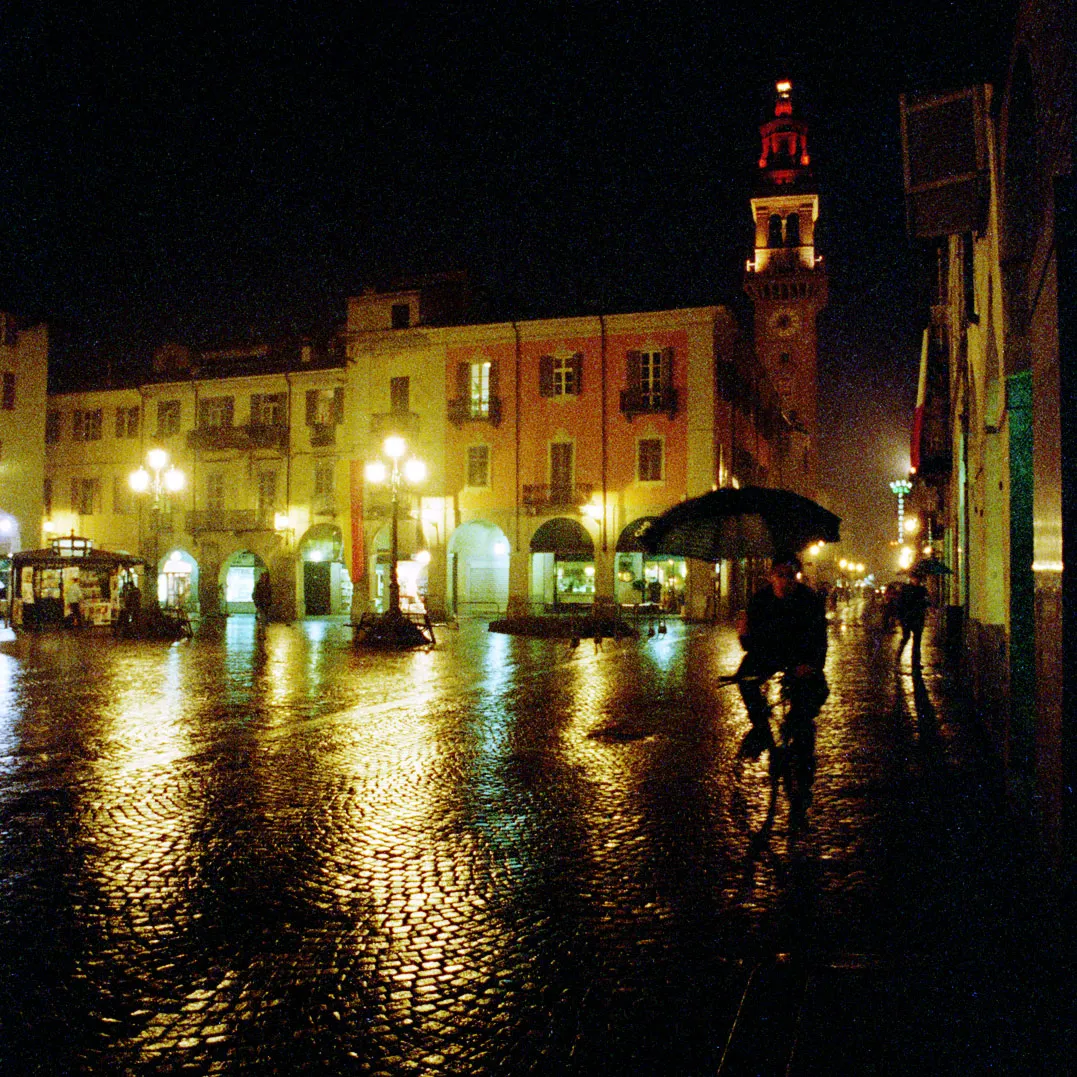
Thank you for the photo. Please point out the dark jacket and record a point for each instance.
(912, 604)
(786, 632)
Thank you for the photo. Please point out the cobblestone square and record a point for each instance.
(275, 854)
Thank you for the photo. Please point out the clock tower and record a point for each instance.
(786, 280)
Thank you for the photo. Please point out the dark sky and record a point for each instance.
(190, 173)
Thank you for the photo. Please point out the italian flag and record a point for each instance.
(918, 414)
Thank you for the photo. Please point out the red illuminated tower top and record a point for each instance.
(784, 159)
(786, 279)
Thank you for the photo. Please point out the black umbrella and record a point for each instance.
(752, 521)
(930, 566)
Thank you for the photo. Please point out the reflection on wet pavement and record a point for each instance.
(269, 852)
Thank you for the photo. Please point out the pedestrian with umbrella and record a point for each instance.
(912, 604)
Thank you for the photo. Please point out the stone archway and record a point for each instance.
(479, 568)
(325, 587)
(236, 579)
(562, 564)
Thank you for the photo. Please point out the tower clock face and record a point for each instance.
(784, 322)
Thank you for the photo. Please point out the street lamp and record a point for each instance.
(161, 481)
(393, 629)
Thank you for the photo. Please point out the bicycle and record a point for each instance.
(790, 764)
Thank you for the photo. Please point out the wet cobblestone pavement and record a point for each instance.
(504, 856)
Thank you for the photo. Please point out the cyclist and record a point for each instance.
(784, 629)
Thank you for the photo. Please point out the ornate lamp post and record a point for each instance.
(161, 481)
(392, 628)
(901, 488)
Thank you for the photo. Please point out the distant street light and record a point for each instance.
(162, 480)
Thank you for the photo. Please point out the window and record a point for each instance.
(324, 488)
(561, 472)
(86, 424)
(85, 496)
(401, 315)
(123, 497)
(7, 397)
(323, 480)
(561, 375)
(53, 426)
(478, 466)
(479, 389)
(325, 407)
(476, 393)
(215, 491)
(127, 422)
(650, 377)
(650, 383)
(215, 412)
(400, 395)
(267, 409)
(792, 230)
(774, 231)
(267, 494)
(168, 417)
(650, 460)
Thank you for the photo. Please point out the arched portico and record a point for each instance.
(325, 587)
(177, 581)
(562, 563)
(236, 579)
(645, 577)
(479, 569)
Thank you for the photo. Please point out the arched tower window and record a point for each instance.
(792, 230)
(774, 231)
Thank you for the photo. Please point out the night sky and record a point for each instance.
(182, 173)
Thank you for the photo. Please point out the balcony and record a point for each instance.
(233, 520)
(542, 498)
(243, 438)
(636, 402)
(405, 424)
(464, 410)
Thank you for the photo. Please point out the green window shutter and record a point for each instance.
(577, 369)
(493, 380)
(463, 380)
(229, 409)
(632, 365)
(338, 404)
(312, 406)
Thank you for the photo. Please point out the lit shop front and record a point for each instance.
(44, 583)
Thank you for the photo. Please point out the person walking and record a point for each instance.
(73, 594)
(263, 597)
(784, 629)
(912, 604)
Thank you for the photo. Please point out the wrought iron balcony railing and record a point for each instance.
(637, 402)
(545, 497)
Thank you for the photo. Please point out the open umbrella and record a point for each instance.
(752, 521)
(930, 566)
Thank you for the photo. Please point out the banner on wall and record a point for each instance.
(357, 568)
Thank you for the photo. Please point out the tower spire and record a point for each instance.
(785, 277)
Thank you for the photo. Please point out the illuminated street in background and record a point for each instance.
(274, 853)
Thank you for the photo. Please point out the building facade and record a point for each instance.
(253, 431)
(989, 182)
(23, 388)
